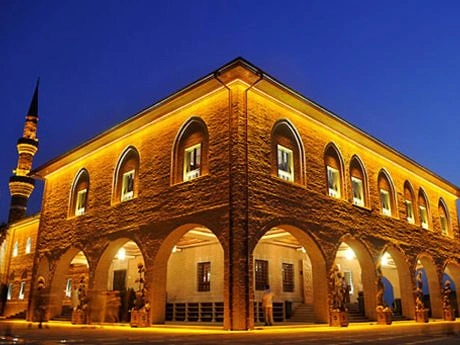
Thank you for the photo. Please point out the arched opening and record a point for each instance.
(79, 194)
(195, 278)
(452, 273)
(334, 172)
(291, 263)
(358, 182)
(395, 269)
(287, 152)
(355, 263)
(125, 186)
(113, 293)
(409, 201)
(387, 194)
(190, 152)
(426, 275)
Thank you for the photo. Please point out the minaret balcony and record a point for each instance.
(28, 146)
(21, 185)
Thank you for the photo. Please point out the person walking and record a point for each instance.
(267, 305)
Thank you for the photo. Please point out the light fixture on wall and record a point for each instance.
(121, 255)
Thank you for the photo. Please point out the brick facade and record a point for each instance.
(239, 198)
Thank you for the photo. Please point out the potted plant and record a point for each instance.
(338, 313)
(80, 310)
(421, 313)
(448, 310)
(140, 313)
(383, 310)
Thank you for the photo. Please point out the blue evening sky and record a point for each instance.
(391, 68)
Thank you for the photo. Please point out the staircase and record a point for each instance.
(302, 313)
(354, 314)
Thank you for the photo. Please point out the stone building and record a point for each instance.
(230, 184)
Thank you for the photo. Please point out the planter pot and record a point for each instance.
(449, 314)
(79, 317)
(338, 318)
(421, 315)
(384, 318)
(140, 318)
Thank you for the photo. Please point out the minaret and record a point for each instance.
(21, 184)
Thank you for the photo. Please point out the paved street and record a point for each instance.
(409, 333)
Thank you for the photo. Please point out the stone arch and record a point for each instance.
(317, 260)
(444, 217)
(77, 200)
(409, 201)
(57, 282)
(368, 272)
(423, 209)
(452, 268)
(126, 176)
(386, 186)
(333, 162)
(405, 279)
(285, 135)
(193, 134)
(434, 284)
(158, 276)
(359, 182)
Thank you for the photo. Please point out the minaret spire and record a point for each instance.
(21, 184)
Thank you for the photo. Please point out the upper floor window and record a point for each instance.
(333, 164)
(190, 156)
(192, 162)
(358, 182)
(423, 209)
(409, 202)
(443, 217)
(79, 194)
(68, 288)
(387, 203)
(22, 290)
(28, 245)
(287, 152)
(15, 249)
(285, 163)
(9, 293)
(126, 176)
(204, 276)
(127, 186)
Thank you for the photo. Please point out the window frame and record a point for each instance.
(22, 290)
(385, 198)
(127, 185)
(424, 222)
(334, 174)
(285, 170)
(261, 275)
(80, 202)
(9, 293)
(410, 215)
(189, 152)
(204, 276)
(288, 277)
(15, 251)
(28, 245)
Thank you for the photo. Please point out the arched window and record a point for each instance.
(409, 201)
(126, 176)
(444, 217)
(28, 245)
(334, 171)
(387, 194)
(287, 152)
(190, 155)
(79, 194)
(423, 209)
(358, 182)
